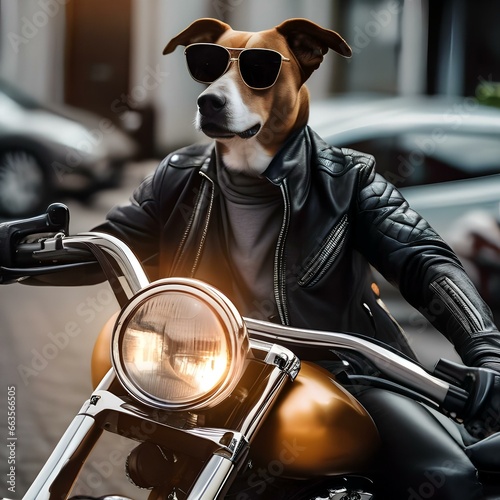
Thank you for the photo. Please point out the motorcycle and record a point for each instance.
(221, 406)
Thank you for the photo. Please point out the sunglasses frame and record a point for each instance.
(236, 59)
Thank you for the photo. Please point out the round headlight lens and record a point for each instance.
(179, 347)
(175, 345)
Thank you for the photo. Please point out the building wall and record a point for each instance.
(31, 48)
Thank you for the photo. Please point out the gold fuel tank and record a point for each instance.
(101, 355)
(316, 428)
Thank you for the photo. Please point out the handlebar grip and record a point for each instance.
(54, 220)
(477, 382)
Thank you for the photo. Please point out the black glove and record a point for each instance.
(485, 420)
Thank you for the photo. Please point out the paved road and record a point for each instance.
(47, 337)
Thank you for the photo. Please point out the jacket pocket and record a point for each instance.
(323, 259)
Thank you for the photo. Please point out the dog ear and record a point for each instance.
(202, 30)
(310, 42)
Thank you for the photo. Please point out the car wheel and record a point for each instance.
(23, 186)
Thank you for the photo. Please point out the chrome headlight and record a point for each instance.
(179, 344)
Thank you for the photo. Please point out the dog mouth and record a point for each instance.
(217, 132)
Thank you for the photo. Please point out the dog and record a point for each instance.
(247, 113)
(249, 125)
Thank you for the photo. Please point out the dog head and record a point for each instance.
(250, 124)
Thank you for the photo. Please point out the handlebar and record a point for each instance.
(55, 252)
(457, 389)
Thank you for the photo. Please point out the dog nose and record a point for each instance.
(211, 103)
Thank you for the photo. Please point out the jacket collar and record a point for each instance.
(291, 157)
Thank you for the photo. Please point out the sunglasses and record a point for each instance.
(259, 68)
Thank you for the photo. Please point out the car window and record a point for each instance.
(416, 159)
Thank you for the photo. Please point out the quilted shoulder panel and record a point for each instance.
(391, 213)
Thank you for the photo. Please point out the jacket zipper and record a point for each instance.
(180, 249)
(327, 254)
(205, 227)
(279, 273)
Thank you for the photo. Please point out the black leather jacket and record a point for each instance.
(339, 217)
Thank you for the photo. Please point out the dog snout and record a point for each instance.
(210, 104)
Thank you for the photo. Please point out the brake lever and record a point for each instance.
(54, 220)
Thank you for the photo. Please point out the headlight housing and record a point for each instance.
(179, 344)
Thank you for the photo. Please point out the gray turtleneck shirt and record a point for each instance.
(252, 214)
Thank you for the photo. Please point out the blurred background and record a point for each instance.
(88, 106)
(105, 57)
(84, 87)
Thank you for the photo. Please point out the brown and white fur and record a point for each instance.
(249, 125)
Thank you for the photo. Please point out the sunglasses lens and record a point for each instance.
(259, 68)
(206, 63)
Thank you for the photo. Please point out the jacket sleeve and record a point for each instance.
(137, 222)
(403, 247)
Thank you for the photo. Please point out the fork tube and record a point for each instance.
(76, 433)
